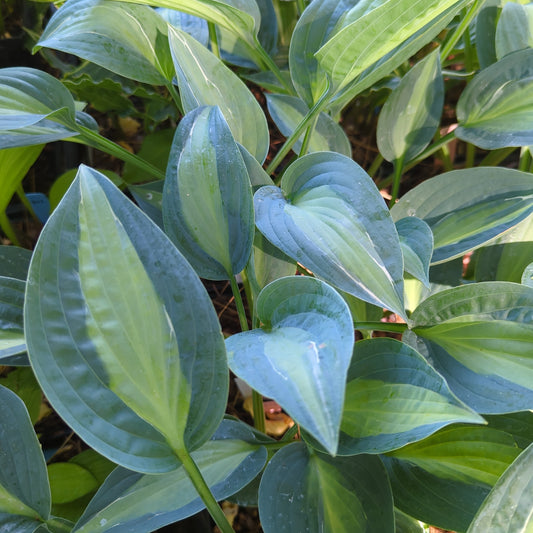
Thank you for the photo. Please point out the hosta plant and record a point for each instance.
(110, 313)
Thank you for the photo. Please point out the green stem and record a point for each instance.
(205, 493)
(306, 121)
(495, 157)
(381, 326)
(270, 64)
(307, 138)
(469, 51)
(27, 204)
(375, 165)
(290, 433)
(470, 155)
(300, 6)
(461, 28)
(6, 227)
(398, 170)
(94, 139)
(446, 158)
(213, 38)
(525, 159)
(176, 97)
(257, 399)
(57, 525)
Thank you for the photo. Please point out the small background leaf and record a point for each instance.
(416, 241)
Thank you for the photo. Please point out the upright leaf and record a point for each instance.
(303, 490)
(204, 80)
(360, 43)
(411, 114)
(515, 29)
(24, 489)
(496, 108)
(467, 208)
(480, 338)
(330, 217)
(127, 39)
(146, 502)
(393, 398)
(127, 346)
(301, 355)
(207, 199)
(508, 506)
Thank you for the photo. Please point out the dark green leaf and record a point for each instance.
(301, 356)
(69, 481)
(207, 199)
(24, 488)
(14, 262)
(140, 371)
(330, 217)
(303, 490)
(23, 383)
(12, 341)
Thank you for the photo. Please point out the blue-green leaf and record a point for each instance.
(527, 276)
(507, 508)
(496, 108)
(129, 501)
(127, 346)
(515, 29)
(207, 199)
(411, 114)
(467, 208)
(394, 397)
(330, 217)
(288, 111)
(204, 80)
(416, 240)
(14, 262)
(480, 338)
(307, 491)
(24, 489)
(301, 355)
(127, 39)
(12, 342)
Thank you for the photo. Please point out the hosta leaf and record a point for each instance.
(527, 276)
(204, 80)
(496, 108)
(396, 57)
(69, 481)
(508, 506)
(519, 425)
(12, 343)
(393, 398)
(406, 524)
(195, 26)
(467, 208)
(506, 258)
(24, 488)
(129, 501)
(308, 491)
(149, 197)
(207, 199)
(363, 40)
(443, 479)
(411, 114)
(486, 22)
(14, 262)
(515, 29)
(127, 39)
(310, 33)
(330, 217)
(416, 240)
(138, 370)
(301, 355)
(480, 338)
(241, 17)
(288, 111)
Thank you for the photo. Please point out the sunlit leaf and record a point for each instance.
(496, 108)
(480, 338)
